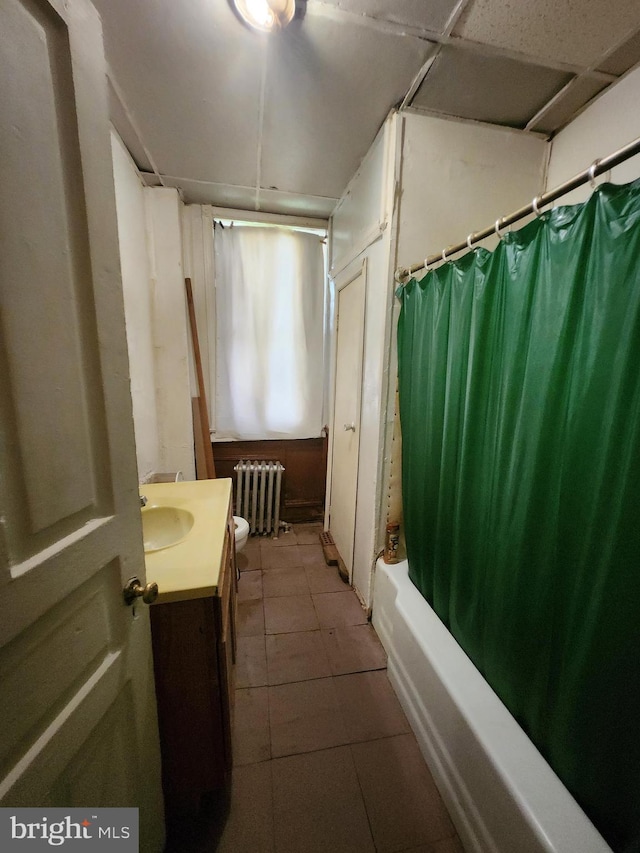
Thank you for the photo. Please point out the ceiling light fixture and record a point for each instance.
(266, 15)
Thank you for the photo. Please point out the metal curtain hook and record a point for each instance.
(469, 241)
(535, 205)
(426, 263)
(444, 254)
(497, 227)
(592, 173)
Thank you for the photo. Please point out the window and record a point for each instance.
(270, 298)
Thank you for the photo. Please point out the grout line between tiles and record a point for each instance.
(348, 743)
(268, 689)
(273, 797)
(364, 801)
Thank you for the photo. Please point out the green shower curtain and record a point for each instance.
(519, 376)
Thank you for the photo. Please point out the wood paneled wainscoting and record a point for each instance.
(303, 482)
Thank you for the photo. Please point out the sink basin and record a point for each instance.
(164, 526)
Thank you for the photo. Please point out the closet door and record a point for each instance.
(77, 707)
(346, 418)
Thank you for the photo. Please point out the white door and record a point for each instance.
(346, 416)
(77, 709)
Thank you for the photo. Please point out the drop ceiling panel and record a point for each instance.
(432, 15)
(329, 88)
(624, 58)
(577, 95)
(553, 30)
(190, 74)
(194, 101)
(493, 89)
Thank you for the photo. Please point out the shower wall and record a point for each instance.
(458, 177)
(613, 120)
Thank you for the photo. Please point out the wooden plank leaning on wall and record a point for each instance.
(205, 469)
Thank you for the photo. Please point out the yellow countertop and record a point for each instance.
(191, 567)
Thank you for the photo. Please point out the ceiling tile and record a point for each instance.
(191, 83)
(577, 95)
(554, 30)
(329, 88)
(493, 89)
(432, 16)
(622, 59)
(190, 75)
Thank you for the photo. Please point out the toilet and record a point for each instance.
(242, 532)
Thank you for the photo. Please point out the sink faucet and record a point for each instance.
(143, 500)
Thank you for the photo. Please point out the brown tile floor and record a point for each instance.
(324, 759)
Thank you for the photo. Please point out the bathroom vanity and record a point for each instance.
(193, 634)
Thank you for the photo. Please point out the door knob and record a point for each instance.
(348, 427)
(134, 589)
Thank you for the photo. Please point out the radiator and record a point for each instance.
(258, 494)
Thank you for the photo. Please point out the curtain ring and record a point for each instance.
(534, 205)
(444, 254)
(426, 263)
(592, 173)
(496, 227)
(469, 241)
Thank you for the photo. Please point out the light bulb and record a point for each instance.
(266, 15)
(261, 13)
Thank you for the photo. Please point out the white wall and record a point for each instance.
(361, 229)
(150, 238)
(459, 177)
(198, 260)
(134, 260)
(452, 177)
(362, 212)
(609, 123)
(170, 335)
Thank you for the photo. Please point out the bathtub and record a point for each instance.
(501, 794)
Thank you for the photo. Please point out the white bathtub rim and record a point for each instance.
(473, 693)
(457, 798)
(548, 808)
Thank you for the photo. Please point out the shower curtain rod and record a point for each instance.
(596, 168)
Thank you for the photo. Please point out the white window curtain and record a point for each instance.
(269, 333)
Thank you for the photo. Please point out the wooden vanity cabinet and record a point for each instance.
(194, 648)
